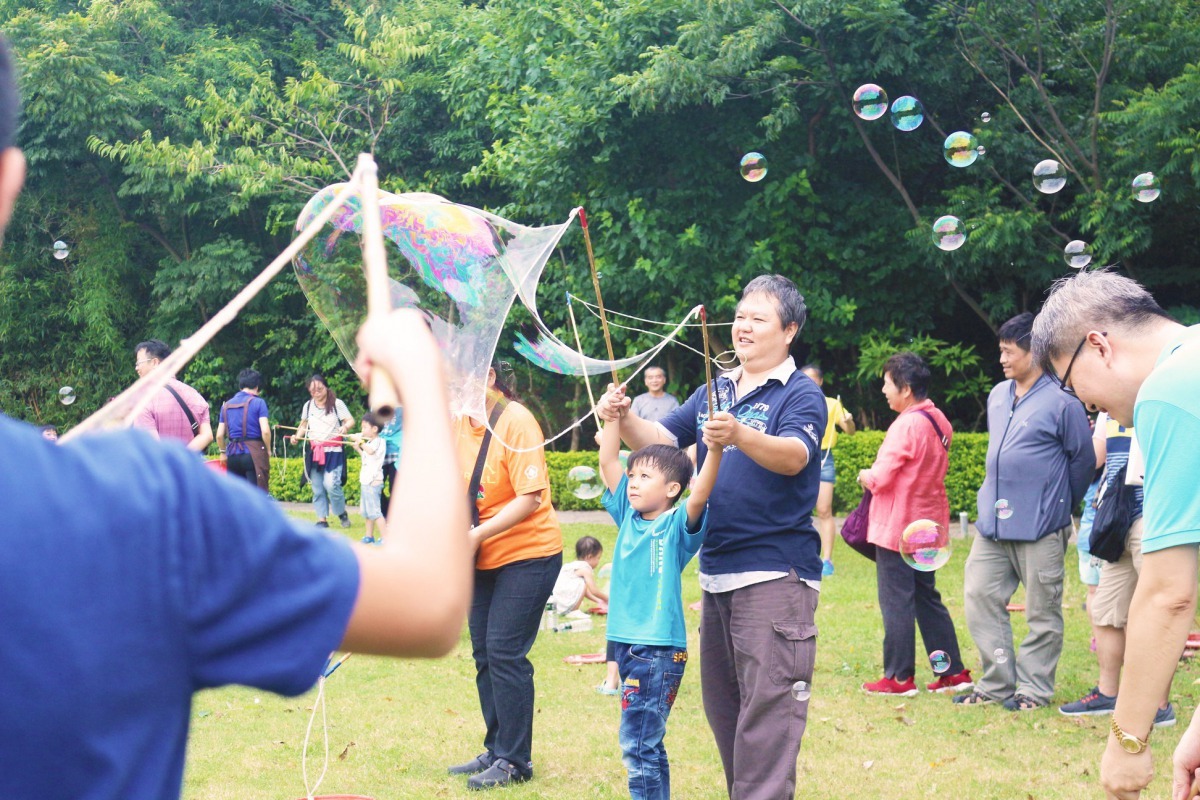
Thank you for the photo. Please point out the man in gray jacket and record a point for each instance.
(1039, 462)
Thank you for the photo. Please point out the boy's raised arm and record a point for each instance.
(610, 454)
(702, 486)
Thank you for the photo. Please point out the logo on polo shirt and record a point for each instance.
(812, 432)
(531, 472)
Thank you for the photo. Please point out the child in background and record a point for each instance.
(577, 580)
(655, 542)
(370, 476)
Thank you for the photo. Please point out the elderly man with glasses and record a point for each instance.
(1119, 352)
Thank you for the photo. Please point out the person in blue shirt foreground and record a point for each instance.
(760, 568)
(195, 580)
(655, 542)
(1112, 346)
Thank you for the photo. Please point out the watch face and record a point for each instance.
(1132, 746)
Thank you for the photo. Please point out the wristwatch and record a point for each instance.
(1130, 744)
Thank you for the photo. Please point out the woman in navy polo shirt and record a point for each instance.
(760, 568)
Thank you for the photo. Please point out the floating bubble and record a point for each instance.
(960, 149)
(1003, 509)
(1146, 188)
(907, 113)
(754, 167)
(581, 480)
(925, 545)
(940, 661)
(801, 690)
(623, 457)
(985, 118)
(999, 656)
(1078, 254)
(605, 572)
(1049, 176)
(981, 150)
(61, 250)
(66, 395)
(870, 101)
(949, 233)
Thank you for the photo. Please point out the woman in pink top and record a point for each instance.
(908, 483)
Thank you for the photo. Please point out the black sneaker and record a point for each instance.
(502, 772)
(322, 524)
(477, 764)
(345, 518)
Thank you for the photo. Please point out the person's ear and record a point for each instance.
(790, 331)
(12, 179)
(674, 489)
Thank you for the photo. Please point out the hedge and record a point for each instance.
(853, 453)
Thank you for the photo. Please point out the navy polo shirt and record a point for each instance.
(759, 520)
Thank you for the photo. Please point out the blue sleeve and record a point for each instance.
(689, 540)
(1076, 437)
(264, 601)
(804, 418)
(1171, 504)
(617, 502)
(681, 423)
(263, 412)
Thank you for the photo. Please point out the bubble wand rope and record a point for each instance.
(587, 242)
(382, 395)
(146, 387)
(708, 378)
(578, 346)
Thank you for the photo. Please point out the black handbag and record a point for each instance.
(1114, 517)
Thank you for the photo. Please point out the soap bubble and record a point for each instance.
(999, 656)
(985, 118)
(801, 690)
(66, 395)
(1146, 188)
(907, 113)
(949, 233)
(1003, 509)
(1078, 254)
(61, 250)
(581, 480)
(754, 167)
(925, 545)
(1049, 176)
(870, 101)
(940, 661)
(981, 150)
(623, 457)
(959, 149)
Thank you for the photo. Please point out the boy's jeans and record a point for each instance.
(650, 681)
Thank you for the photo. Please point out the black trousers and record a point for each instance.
(906, 596)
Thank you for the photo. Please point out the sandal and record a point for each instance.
(973, 699)
(1022, 702)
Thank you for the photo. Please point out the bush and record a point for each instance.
(558, 464)
(285, 481)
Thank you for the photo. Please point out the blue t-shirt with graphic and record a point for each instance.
(133, 577)
(1166, 419)
(645, 605)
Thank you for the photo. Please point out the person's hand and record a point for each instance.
(402, 345)
(1122, 774)
(1186, 761)
(721, 430)
(294, 439)
(613, 404)
(474, 538)
(862, 473)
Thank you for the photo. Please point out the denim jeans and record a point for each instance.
(650, 678)
(327, 492)
(505, 613)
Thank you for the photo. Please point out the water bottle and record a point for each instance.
(551, 617)
(964, 524)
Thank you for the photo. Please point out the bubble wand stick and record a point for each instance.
(708, 379)
(587, 242)
(383, 397)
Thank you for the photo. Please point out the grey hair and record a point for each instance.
(1091, 300)
(787, 298)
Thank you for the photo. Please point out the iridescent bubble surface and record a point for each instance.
(801, 690)
(1078, 254)
(66, 395)
(999, 656)
(870, 101)
(907, 113)
(583, 483)
(1146, 188)
(925, 545)
(61, 250)
(949, 233)
(939, 660)
(960, 149)
(985, 118)
(754, 167)
(1049, 176)
(1003, 509)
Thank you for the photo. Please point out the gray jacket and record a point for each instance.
(1040, 460)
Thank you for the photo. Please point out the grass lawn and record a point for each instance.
(394, 726)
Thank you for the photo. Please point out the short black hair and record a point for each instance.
(10, 98)
(674, 464)
(820, 373)
(372, 419)
(155, 348)
(587, 546)
(1017, 330)
(909, 369)
(249, 379)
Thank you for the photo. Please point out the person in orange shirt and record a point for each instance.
(518, 560)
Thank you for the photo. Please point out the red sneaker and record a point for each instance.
(891, 686)
(952, 683)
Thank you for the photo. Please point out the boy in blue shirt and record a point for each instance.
(656, 540)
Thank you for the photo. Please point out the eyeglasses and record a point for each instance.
(137, 364)
(1064, 381)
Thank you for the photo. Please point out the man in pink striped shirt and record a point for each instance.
(178, 411)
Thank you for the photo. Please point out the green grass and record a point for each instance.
(394, 726)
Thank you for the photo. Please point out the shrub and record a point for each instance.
(285, 481)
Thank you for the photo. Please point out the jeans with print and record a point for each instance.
(650, 678)
(327, 492)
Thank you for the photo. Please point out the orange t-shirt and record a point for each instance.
(507, 474)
